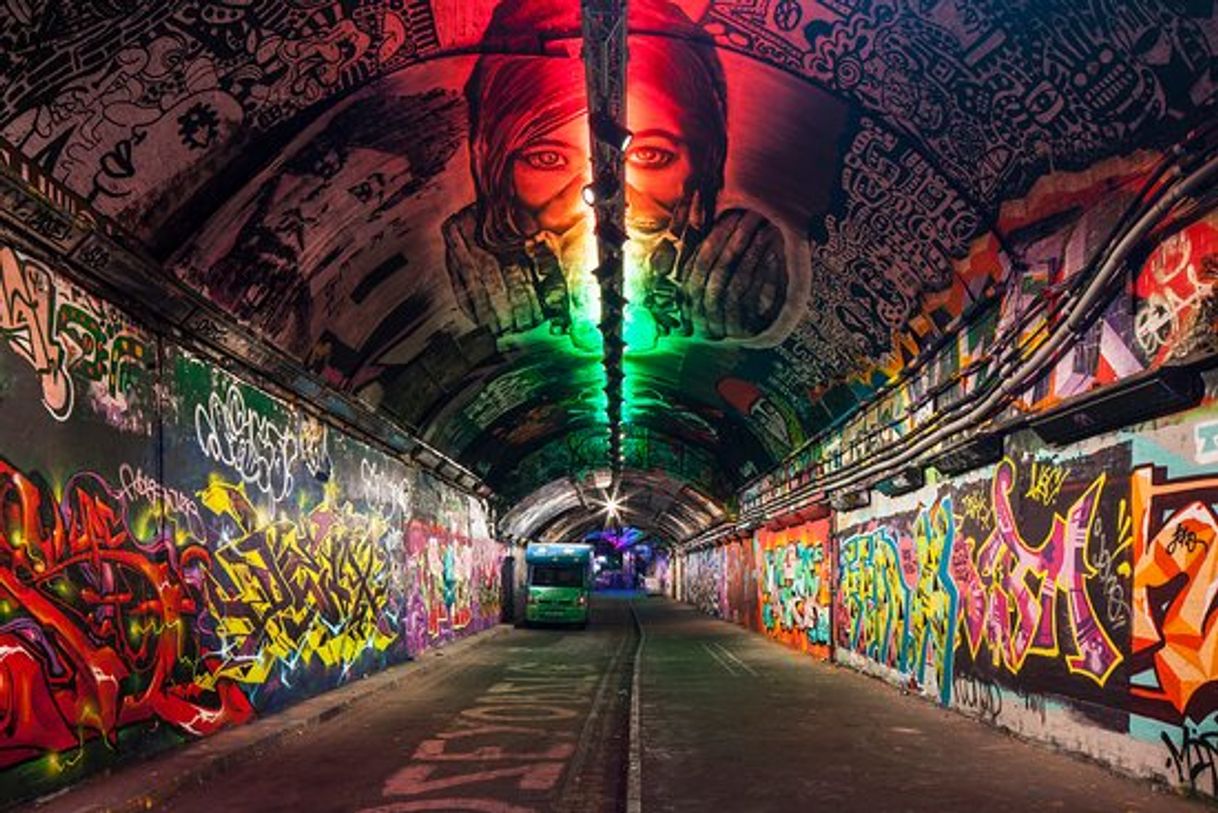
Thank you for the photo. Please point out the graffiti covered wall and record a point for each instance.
(702, 578)
(720, 580)
(1173, 692)
(793, 585)
(776, 582)
(1015, 577)
(1061, 594)
(180, 552)
(1064, 593)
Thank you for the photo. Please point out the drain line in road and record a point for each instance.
(582, 789)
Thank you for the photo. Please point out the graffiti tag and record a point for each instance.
(231, 433)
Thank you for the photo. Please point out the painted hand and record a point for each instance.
(498, 295)
(735, 282)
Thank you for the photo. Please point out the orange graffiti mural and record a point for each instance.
(1175, 631)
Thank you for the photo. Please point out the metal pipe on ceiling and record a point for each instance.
(1078, 307)
(1179, 162)
(604, 31)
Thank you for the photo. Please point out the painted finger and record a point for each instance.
(738, 256)
(703, 262)
(764, 265)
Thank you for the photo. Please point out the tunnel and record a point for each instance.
(846, 370)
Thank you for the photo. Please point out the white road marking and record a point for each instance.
(735, 659)
(719, 659)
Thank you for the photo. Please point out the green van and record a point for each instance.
(559, 582)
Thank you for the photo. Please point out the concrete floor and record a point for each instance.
(537, 720)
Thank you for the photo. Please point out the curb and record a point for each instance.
(209, 756)
(634, 770)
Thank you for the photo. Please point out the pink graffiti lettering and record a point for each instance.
(414, 780)
(519, 713)
(434, 751)
(1010, 597)
(482, 805)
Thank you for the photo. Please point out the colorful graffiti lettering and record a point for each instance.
(793, 586)
(870, 597)
(898, 604)
(62, 332)
(1009, 588)
(932, 598)
(288, 593)
(26, 320)
(1175, 637)
(453, 583)
(915, 587)
(97, 623)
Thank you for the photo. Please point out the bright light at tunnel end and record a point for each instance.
(613, 507)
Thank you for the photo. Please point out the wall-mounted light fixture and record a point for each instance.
(602, 189)
(978, 451)
(610, 132)
(850, 500)
(1136, 399)
(904, 481)
(426, 458)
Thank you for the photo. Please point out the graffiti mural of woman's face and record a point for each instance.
(658, 162)
(548, 174)
(521, 255)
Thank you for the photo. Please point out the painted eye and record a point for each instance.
(545, 159)
(651, 157)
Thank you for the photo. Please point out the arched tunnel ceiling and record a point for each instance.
(389, 191)
(572, 508)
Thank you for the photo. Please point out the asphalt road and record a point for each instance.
(531, 721)
(538, 720)
(732, 721)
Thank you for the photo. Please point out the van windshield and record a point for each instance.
(558, 576)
